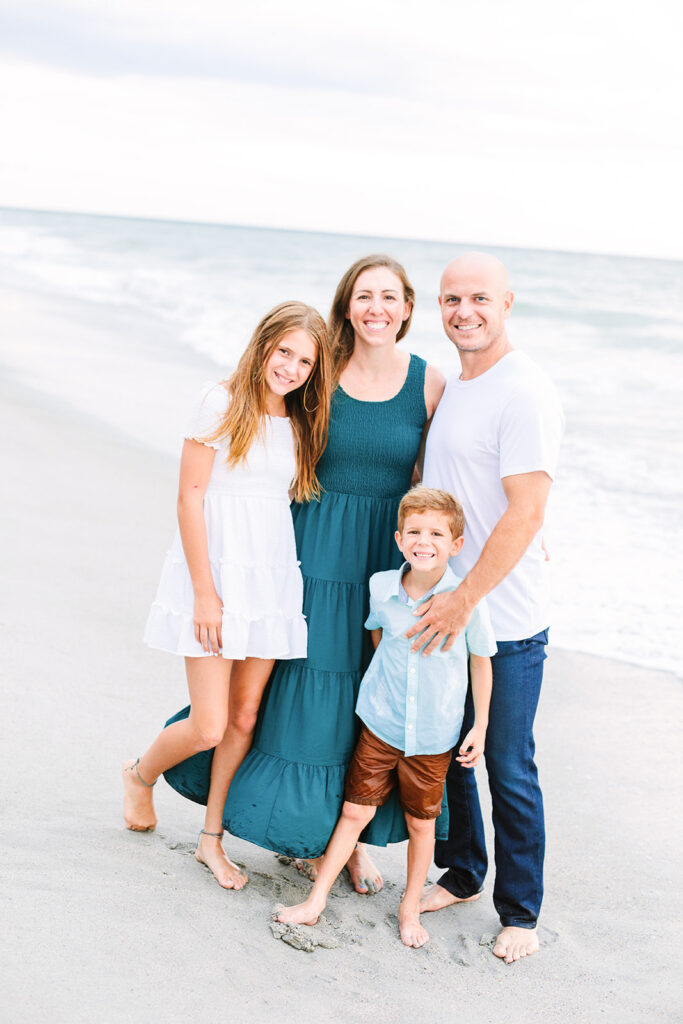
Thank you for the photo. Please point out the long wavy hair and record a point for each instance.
(308, 407)
(339, 326)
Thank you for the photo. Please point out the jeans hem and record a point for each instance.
(446, 884)
(507, 923)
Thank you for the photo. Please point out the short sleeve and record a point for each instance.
(374, 619)
(531, 429)
(479, 635)
(211, 406)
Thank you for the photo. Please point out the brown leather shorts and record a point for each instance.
(376, 767)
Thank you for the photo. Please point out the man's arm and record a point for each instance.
(446, 615)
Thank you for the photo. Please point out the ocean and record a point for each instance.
(142, 312)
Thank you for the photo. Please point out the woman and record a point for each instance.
(288, 792)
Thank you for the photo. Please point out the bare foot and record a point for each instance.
(514, 943)
(211, 854)
(365, 878)
(138, 803)
(409, 928)
(435, 897)
(302, 913)
(308, 867)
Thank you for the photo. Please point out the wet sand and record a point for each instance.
(103, 924)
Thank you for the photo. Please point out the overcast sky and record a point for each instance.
(524, 123)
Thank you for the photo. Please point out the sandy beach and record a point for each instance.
(106, 925)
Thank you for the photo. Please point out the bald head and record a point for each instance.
(481, 265)
(475, 302)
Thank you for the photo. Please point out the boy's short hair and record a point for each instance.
(429, 499)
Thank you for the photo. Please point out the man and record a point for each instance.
(494, 443)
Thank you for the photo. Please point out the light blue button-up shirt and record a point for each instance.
(413, 702)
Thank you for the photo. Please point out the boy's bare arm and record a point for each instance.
(376, 635)
(481, 675)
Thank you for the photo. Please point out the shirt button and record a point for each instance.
(412, 671)
(412, 699)
(410, 727)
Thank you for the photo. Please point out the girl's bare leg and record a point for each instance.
(208, 683)
(247, 683)
(420, 850)
(354, 818)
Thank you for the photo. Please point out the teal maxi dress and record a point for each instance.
(288, 792)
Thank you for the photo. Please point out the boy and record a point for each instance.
(411, 707)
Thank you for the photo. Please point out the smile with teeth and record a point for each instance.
(283, 379)
(376, 325)
(467, 327)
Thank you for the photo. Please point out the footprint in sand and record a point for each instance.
(467, 951)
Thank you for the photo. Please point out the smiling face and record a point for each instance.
(378, 307)
(426, 541)
(475, 302)
(290, 363)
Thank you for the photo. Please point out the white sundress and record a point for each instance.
(252, 550)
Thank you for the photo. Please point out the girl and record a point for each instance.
(230, 594)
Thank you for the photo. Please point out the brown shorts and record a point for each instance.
(376, 767)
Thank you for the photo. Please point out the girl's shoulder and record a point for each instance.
(209, 410)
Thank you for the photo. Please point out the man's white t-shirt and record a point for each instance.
(506, 421)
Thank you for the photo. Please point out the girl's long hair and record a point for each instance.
(308, 407)
(339, 326)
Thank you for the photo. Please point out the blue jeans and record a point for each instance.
(515, 793)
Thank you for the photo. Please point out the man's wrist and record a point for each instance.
(465, 596)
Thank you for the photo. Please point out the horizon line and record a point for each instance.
(337, 234)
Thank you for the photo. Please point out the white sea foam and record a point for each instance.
(141, 312)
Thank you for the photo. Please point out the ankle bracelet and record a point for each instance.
(148, 784)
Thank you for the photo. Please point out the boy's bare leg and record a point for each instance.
(354, 818)
(420, 849)
(247, 682)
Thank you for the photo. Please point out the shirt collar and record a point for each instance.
(449, 581)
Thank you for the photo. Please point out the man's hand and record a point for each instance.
(442, 617)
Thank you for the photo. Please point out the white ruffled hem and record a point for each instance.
(271, 636)
(246, 591)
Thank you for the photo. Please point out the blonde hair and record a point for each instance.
(308, 407)
(341, 331)
(429, 499)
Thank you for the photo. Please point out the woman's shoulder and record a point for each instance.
(435, 382)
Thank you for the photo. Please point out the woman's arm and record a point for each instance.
(435, 382)
(196, 463)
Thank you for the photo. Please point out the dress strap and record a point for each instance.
(412, 394)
